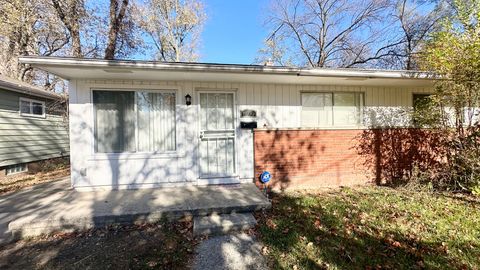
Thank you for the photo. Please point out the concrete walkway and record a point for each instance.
(53, 206)
(18, 204)
(238, 251)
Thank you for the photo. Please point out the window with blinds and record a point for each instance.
(342, 109)
(134, 121)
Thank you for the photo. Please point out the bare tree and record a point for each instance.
(26, 28)
(118, 10)
(350, 33)
(328, 32)
(70, 12)
(174, 27)
(417, 22)
(274, 52)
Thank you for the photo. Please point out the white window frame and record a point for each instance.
(136, 154)
(333, 125)
(31, 107)
(23, 165)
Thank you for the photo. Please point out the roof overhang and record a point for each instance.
(24, 88)
(74, 68)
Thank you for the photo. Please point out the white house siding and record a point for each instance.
(277, 106)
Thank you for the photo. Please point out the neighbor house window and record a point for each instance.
(30, 107)
(332, 109)
(17, 168)
(134, 121)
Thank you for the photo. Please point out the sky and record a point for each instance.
(234, 31)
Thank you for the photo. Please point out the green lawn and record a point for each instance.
(372, 228)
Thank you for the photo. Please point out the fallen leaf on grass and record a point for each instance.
(317, 224)
(271, 224)
(396, 244)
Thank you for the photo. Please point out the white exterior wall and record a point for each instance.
(277, 106)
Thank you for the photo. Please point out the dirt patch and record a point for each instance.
(164, 245)
(21, 181)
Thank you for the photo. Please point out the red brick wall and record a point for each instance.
(322, 158)
(309, 158)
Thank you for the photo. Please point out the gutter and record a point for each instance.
(367, 74)
(148, 65)
(119, 65)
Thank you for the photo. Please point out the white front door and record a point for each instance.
(217, 134)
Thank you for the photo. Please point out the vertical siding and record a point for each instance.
(277, 106)
(26, 139)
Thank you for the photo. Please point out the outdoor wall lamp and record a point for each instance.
(188, 100)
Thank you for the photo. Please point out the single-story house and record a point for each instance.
(136, 124)
(32, 127)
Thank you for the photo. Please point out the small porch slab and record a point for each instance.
(69, 210)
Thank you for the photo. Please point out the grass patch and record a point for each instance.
(372, 228)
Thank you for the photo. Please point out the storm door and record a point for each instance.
(217, 134)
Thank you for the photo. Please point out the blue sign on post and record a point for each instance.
(265, 177)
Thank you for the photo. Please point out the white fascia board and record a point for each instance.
(123, 65)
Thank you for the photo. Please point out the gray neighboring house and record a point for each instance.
(32, 127)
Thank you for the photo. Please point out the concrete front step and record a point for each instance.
(70, 211)
(220, 224)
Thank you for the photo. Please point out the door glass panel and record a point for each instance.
(203, 111)
(221, 105)
(212, 112)
(229, 112)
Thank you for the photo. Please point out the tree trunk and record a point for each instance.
(75, 34)
(72, 23)
(115, 22)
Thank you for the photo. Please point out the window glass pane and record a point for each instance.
(114, 121)
(156, 121)
(346, 109)
(316, 109)
(16, 169)
(37, 108)
(25, 106)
